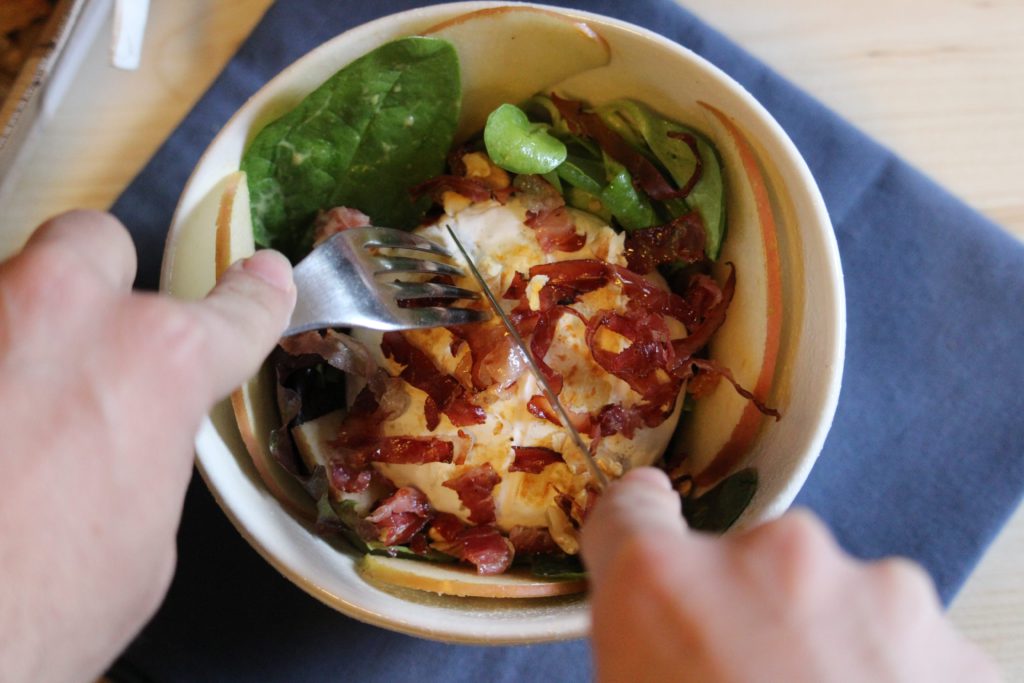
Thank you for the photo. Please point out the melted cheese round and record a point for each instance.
(500, 243)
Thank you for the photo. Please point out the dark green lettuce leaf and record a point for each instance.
(716, 509)
(370, 132)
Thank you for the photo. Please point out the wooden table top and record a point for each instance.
(939, 81)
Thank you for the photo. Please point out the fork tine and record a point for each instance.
(403, 264)
(430, 290)
(373, 237)
(436, 316)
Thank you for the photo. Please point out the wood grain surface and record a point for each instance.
(939, 81)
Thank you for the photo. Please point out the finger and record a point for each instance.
(96, 238)
(243, 318)
(640, 503)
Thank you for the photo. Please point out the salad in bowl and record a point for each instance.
(640, 244)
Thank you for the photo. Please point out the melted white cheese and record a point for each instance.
(500, 244)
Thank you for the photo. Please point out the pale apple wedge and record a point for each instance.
(311, 440)
(461, 581)
(312, 436)
(537, 49)
(724, 425)
(234, 224)
(253, 402)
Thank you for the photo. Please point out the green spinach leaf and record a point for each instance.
(558, 567)
(717, 509)
(519, 146)
(364, 137)
(708, 196)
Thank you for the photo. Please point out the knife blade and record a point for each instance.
(552, 397)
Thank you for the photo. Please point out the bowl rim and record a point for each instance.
(578, 626)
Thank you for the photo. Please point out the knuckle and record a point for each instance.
(49, 276)
(175, 336)
(641, 561)
(903, 582)
(792, 550)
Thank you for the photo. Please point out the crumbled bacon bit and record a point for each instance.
(568, 280)
(446, 526)
(539, 406)
(336, 220)
(531, 540)
(516, 288)
(533, 459)
(556, 230)
(444, 393)
(344, 477)
(483, 546)
(403, 450)
(495, 361)
(401, 516)
(474, 487)
(681, 239)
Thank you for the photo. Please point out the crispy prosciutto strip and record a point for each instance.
(403, 450)
(494, 361)
(682, 239)
(533, 459)
(649, 350)
(709, 366)
(344, 477)
(446, 526)
(475, 486)
(483, 546)
(401, 516)
(546, 214)
(556, 230)
(516, 288)
(531, 540)
(700, 334)
(616, 418)
(444, 393)
(539, 406)
(543, 336)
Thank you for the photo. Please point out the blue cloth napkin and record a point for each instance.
(924, 459)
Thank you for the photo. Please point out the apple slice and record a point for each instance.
(507, 54)
(724, 425)
(253, 402)
(311, 436)
(234, 224)
(461, 581)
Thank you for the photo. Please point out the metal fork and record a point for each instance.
(338, 284)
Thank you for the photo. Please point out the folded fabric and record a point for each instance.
(924, 458)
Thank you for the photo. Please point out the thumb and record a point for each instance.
(244, 316)
(640, 504)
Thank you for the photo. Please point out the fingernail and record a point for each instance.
(271, 267)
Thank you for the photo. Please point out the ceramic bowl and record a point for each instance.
(809, 337)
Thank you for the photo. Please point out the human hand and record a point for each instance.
(780, 602)
(101, 393)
